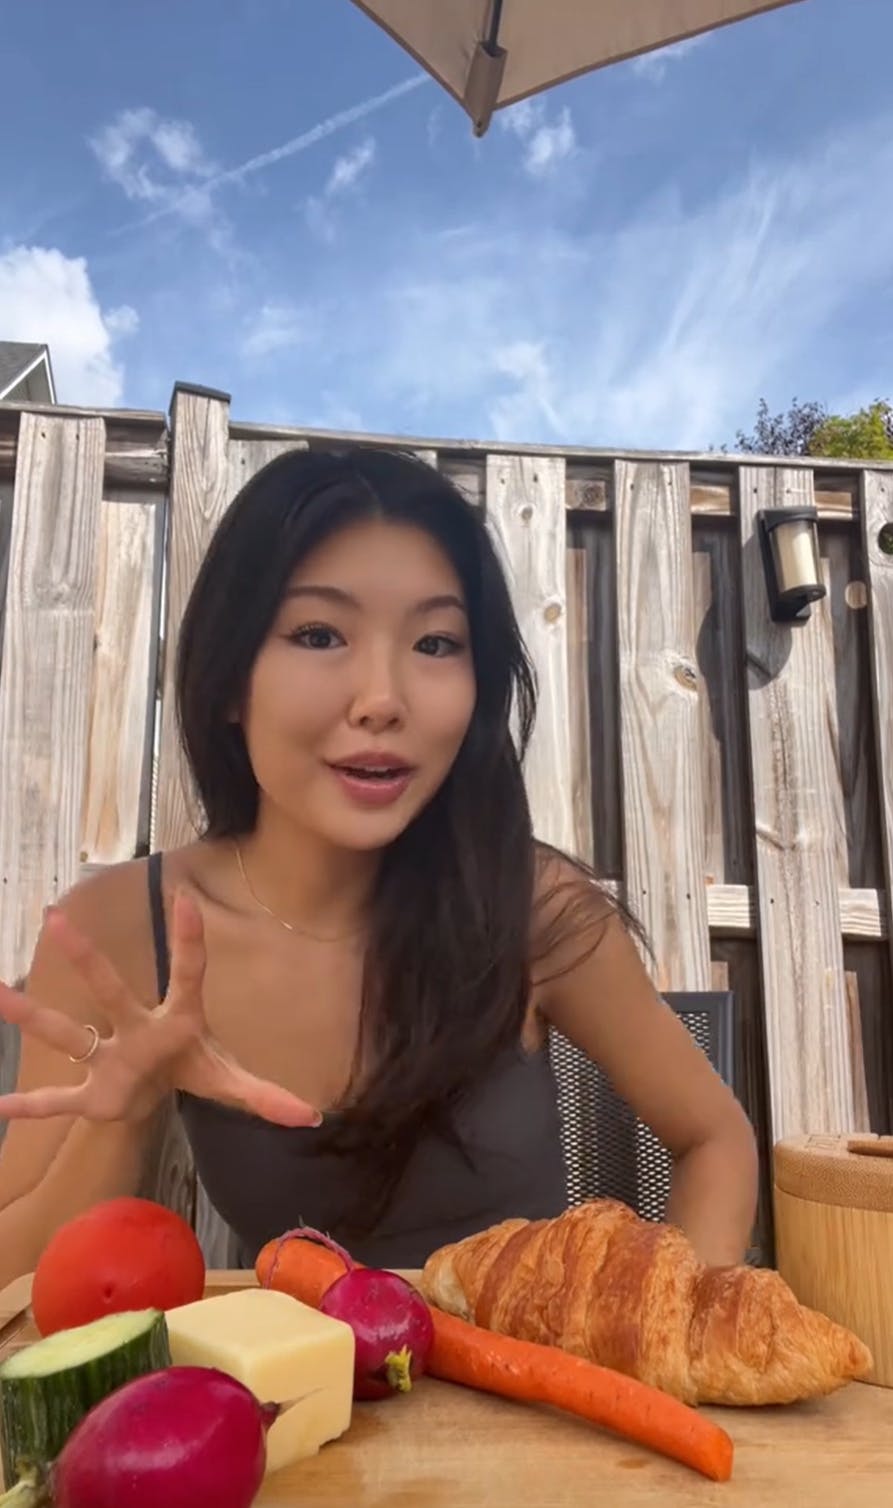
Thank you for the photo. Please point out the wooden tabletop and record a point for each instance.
(444, 1447)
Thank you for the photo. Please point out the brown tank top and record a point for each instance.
(264, 1179)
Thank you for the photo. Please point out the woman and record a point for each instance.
(347, 980)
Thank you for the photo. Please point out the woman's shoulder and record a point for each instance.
(561, 880)
(111, 906)
(112, 894)
(573, 910)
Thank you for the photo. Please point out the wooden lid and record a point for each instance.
(856, 1171)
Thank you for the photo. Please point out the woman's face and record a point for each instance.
(360, 697)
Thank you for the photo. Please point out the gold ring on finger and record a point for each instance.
(94, 1043)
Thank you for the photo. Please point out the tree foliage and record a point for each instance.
(783, 434)
(807, 429)
(866, 435)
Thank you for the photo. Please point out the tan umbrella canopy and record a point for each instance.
(490, 53)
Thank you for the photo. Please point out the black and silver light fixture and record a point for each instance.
(790, 547)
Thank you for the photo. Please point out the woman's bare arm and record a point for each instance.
(606, 1004)
(52, 1169)
(84, 974)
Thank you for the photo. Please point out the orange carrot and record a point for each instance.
(476, 1358)
(303, 1268)
(532, 1373)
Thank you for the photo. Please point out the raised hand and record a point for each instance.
(149, 1052)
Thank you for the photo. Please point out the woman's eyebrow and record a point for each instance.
(444, 599)
(328, 593)
(345, 599)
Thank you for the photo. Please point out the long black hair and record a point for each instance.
(447, 971)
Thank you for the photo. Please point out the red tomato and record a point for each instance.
(121, 1254)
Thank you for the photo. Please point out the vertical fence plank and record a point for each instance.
(728, 830)
(248, 457)
(663, 788)
(604, 697)
(809, 1052)
(199, 492)
(578, 694)
(123, 694)
(877, 548)
(200, 488)
(736, 968)
(148, 788)
(850, 719)
(9, 1036)
(47, 665)
(6, 492)
(168, 1172)
(526, 513)
(868, 980)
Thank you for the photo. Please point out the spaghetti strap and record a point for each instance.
(159, 926)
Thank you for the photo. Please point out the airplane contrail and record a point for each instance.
(297, 144)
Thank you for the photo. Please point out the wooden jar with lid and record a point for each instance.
(833, 1198)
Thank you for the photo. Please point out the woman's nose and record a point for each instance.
(378, 702)
(379, 717)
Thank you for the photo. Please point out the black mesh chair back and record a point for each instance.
(608, 1152)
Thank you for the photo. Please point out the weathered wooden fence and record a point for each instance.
(734, 777)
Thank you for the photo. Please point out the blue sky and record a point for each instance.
(267, 196)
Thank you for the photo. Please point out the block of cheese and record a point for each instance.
(284, 1351)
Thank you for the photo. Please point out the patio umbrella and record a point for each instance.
(490, 53)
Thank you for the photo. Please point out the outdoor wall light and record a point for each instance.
(790, 546)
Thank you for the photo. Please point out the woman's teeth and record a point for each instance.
(370, 774)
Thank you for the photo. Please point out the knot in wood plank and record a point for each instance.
(856, 594)
(686, 675)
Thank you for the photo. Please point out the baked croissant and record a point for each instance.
(630, 1294)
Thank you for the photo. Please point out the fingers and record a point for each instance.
(187, 956)
(104, 982)
(51, 1027)
(42, 1104)
(271, 1103)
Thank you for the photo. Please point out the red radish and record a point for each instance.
(182, 1437)
(391, 1322)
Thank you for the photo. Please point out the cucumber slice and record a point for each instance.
(48, 1387)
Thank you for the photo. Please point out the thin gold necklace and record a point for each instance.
(289, 926)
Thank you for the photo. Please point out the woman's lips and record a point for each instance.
(374, 788)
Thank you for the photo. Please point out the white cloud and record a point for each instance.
(345, 174)
(161, 163)
(433, 126)
(526, 363)
(550, 144)
(653, 65)
(122, 321)
(546, 142)
(275, 327)
(178, 146)
(137, 143)
(350, 167)
(303, 143)
(661, 331)
(47, 296)
(522, 118)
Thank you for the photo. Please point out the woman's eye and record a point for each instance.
(316, 636)
(438, 645)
